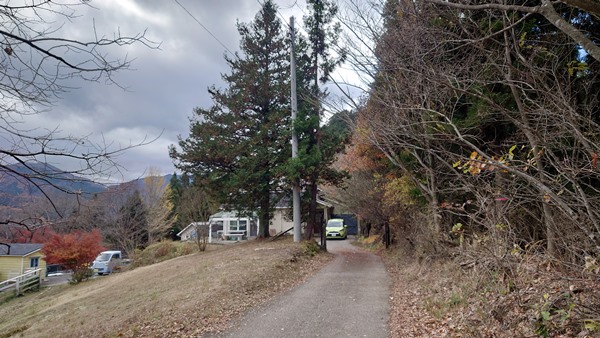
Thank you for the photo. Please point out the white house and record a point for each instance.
(282, 220)
(224, 225)
(189, 233)
(228, 225)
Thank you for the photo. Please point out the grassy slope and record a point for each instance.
(184, 296)
(527, 297)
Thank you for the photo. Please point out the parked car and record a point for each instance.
(336, 229)
(107, 262)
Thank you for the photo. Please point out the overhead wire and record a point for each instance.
(330, 77)
(295, 4)
(205, 28)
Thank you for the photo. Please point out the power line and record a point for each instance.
(302, 9)
(290, 6)
(312, 96)
(206, 29)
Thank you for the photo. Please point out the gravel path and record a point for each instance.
(348, 298)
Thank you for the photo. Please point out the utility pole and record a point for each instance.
(296, 189)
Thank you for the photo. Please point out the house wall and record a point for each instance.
(187, 234)
(41, 265)
(13, 266)
(279, 222)
(10, 266)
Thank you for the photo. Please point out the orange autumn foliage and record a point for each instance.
(74, 251)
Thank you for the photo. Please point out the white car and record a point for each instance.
(106, 262)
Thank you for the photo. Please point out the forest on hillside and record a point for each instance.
(477, 143)
(481, 127)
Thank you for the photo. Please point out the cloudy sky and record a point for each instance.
(165, 84)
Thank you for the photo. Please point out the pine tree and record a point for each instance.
(176, 191)
(314, 68)
(238, 146)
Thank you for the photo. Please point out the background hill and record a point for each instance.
(20, 184)
(16, 191)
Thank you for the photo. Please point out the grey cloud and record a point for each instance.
(163, 86)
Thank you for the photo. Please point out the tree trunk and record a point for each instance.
(524, 125)
(264, 215)
(433, 192)
(314, 148)
(311, 224)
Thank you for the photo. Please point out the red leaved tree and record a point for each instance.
(38, 235)
(74, 251)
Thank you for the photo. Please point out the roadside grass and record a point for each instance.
(165, 250)
(181, 297)
(528, 296)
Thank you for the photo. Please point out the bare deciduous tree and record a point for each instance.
(491, 118)
(548, 11)
(202, 231)
(156, 199)
(37, 61)
(196, 205)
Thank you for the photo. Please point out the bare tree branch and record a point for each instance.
(37, 62)
(547, 10)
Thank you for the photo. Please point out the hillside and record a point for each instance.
(182, 297)
(16, 190)
(20, 184)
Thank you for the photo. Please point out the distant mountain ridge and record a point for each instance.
(16, 191)
(45, 176)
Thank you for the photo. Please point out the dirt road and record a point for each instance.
(348, 298)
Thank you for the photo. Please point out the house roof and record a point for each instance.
(190, 225)
(323, 203)
(285, 203)
(226, 214)
(19, 249)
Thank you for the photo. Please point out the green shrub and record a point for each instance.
(80, 275)
(164, 249)
(185, 249)
(310, 248)
(161, 251)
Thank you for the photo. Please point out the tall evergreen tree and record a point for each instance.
(238, 146)
(314, 68)
(175, 193)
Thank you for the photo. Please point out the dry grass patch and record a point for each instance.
(181, 297)
(530, 297)
(165, 250)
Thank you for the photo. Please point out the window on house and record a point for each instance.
(238, 225)
(34, 262)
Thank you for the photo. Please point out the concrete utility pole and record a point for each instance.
(296, 189)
